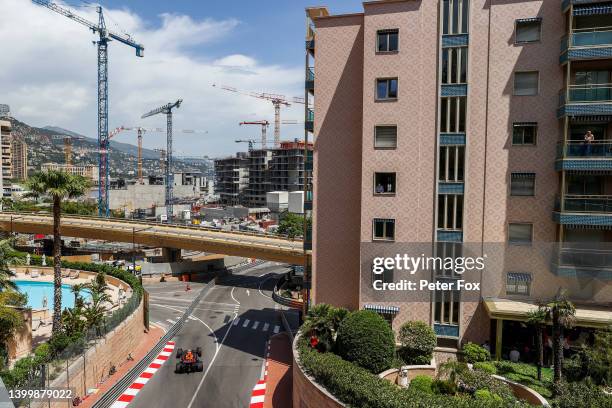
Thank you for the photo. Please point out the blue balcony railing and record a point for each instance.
(592, 37)
(593, 93)
(578, 148)
(585, 258)
(310, 74)
(588, 204)
(310, 115)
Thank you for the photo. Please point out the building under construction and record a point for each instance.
(246, 178)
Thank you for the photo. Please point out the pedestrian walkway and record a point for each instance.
(279, 382)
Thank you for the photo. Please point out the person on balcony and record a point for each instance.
(589, 138)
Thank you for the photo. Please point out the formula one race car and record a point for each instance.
(189, 361)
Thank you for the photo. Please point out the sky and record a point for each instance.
(48, 67)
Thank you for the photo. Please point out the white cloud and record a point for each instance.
(48, 76)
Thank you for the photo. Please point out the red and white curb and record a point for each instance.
(129, 394)
(259, 391)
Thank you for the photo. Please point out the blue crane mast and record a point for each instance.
(105, 36)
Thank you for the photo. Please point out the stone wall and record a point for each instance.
(20, 344)
(306, 392)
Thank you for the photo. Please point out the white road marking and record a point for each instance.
(160, 305)
(276, 329)
(248, 292)
(232, 294)
(236, 322)
(170, 321)
(255, 325)
(192, 318)
(266, 327)
(246, 323)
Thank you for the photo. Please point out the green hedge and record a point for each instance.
(473, 353)
(573, 395)
(358, 388)
(366, 339)
(418, 341)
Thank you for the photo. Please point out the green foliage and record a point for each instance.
(79, 208)
(486, 367)
(357, 387)
(480, 380)
(527, 375)
(57, 184)
(6, 260)
(13, 298)
(599, 358)
(323, 321)
(445, 387)
(11, 320)
(572, 395)
(366, 339)
(292, 225)
(422, 383)
(486, 395)
(418, 342)
(473, 353)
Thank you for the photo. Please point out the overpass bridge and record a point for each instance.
(262, 246)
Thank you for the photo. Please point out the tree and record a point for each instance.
(537, 319)
(562, 313)
(76, 291)
(292, 225)
(7, 258)
(95, 311)
(59, 185)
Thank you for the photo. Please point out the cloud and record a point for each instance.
(48, 76)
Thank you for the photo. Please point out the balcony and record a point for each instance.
(585, 100)
(310, 76)
(577, 155)
(584, 262)
(309, 124)
(585, 210)
(308, 201)
(587, 44)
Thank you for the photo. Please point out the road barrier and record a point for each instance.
(116, 390)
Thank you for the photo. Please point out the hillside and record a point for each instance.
(47, 145)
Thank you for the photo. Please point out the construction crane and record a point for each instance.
(68, 148)
(105, 36)
(264, 129)
(277, 101)
(167, 110)
(251, 143)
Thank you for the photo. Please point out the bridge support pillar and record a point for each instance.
(171, 254)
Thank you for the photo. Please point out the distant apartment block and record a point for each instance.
(464, 123)
(19, 153)
(5, 145)
(231, 178)
(89, 171)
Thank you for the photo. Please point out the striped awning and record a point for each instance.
(523, 176)
(382, 309)
(591, 119)
(519, 276)
(593, 10)
(529, 20)
(521, 124)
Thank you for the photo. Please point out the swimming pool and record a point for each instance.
(37, 291)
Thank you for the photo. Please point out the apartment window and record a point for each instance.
(384, 229)
(451, 163)
(528, 30)
(445, 250)
(520, 233)
(387, 40)
(524, 133)
(446, 309)
(518, 283)
(384, 183)
(385, 137)
(455, 16)
(526, 83)
(522, 184)
(454, 65)
(386, 88)
(386, 276)
(452, 114)
(450, 211)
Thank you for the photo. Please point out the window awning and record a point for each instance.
(529, 20)
(519, 276)
(382, 309)
(506, 309)
(593, 10)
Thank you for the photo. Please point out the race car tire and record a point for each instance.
(199, 351)
(199, 367)
(179, 368)
(179, 353)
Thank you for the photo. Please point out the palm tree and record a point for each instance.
(94, 312)
(76, 291)
(562, 313)
(537, 318)
(59, 185)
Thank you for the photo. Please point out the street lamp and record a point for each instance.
(134, 231)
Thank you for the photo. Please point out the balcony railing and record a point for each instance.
(578, 148)
(310, 74)
(310, 115)
(588, 204)
(592, 37)
(585, 258)
(586, 94)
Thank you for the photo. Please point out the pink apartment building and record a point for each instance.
(461, 126)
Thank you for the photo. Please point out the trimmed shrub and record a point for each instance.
(473, 353)
(486, 395)
(486, 367)
(418, 342)
(581, 394)
(366, 339)
(323, 321)
(444, 387)
(422, 383)
(481, 380)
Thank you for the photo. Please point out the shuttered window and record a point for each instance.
(528, 30)
(520, 234)
(522, 184)
(385, 137)
(526, 83)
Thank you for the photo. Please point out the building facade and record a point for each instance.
(89, 171)
(19, 153)
(5, 145)
(440, 129)
(231, 178)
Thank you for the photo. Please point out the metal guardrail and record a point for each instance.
(116, 390)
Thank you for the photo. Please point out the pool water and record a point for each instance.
(37, 291)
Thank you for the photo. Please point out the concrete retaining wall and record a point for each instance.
(306, 392)
(522, 392)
